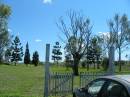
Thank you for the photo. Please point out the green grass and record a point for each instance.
(23, 81)
(125, 70)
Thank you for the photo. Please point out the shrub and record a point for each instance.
(84, 64)
(105, 63)
(121, 62)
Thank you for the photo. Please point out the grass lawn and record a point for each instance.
(23, 81)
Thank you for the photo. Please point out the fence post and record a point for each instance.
(111, 60)
(46, 88)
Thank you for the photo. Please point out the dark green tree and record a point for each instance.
(96, 50)
(35, 58)
(27, 55)
(105, 63)
(90, 57)
(17, 50)
(84, 63)
(5, 12)
(56, 53)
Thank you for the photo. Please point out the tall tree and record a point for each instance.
(17, 50)
(77, 36)
(119, 28)
(27, 55)
(35, 58)
(56, 52)
(96, 50)
(90, 56)
(5, 12)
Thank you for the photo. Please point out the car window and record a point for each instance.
(95, 87)
(116, 90)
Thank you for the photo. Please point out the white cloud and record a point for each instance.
(47, 1)
(9, 30)
(38, 40)
(104, 34)
(18, 33)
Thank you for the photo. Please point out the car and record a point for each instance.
(106, 86)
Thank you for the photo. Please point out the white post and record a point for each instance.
(46, 88)
(111, 68)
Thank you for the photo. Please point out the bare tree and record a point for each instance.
(118, 30)
(77, 35)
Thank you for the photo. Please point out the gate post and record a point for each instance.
(46, 88)
(111, 68)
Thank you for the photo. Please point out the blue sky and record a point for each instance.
(35, 20)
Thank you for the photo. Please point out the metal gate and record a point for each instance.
(61, 84)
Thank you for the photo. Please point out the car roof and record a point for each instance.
(123, 79)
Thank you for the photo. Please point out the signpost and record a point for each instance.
(46, 92)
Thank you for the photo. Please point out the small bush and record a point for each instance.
(121, 62)
(83, 64)
(105, 63)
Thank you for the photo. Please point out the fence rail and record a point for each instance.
(86, 77)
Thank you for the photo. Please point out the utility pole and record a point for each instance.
(46, 88)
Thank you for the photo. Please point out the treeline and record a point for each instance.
(14, 53)
(11, 49)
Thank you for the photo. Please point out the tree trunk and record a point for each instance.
(0, 59)
(120, 67)
(57, 62)
(94, 65)
(87, 66)
(15, 63)
(98, 66)
(75, 67)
